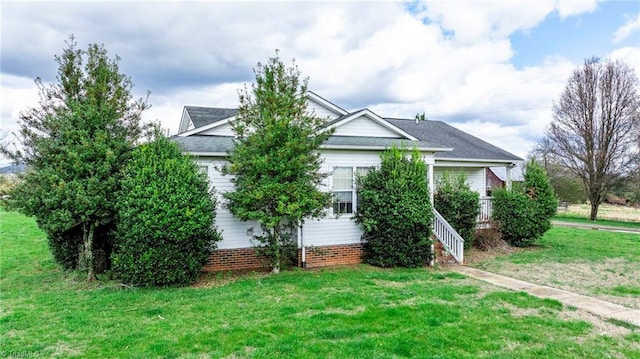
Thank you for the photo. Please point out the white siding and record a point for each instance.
(320, 111)
(363, 126)
(235, 233)
(330, 230)
(220, 130)
(341, 230)
(475, 177)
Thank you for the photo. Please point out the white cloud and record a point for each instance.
(631, 26)
(18, 94)
(356, 54)
(477, 20)
(568, 8)
(629, 55)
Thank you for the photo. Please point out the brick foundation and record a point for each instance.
(235, 259)
(325, 256)
(247, 259)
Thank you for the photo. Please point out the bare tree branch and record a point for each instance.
(593, 122)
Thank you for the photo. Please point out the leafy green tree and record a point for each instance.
(76, 141)
(525, 213)
(394, 211)
(275, 161)
(458, 204)
(538, 187)
(165, 218)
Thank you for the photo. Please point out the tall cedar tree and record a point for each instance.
(591, 132)
(275, 161)
(75, 142)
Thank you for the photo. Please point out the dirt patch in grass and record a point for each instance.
(600, 326)
(593, 279)
(475, 255)
(219, 279)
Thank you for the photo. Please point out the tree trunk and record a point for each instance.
(594, 210)
(277, 250)
(86, 256)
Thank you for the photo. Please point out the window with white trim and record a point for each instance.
(344, 188)
(205, 168)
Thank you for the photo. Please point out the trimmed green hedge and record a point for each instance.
(525, 213)
(165, 218)
(394, 212)
(458, 204)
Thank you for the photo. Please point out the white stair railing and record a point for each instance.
(448, 236)
(486, 212)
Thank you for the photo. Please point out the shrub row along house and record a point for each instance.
(352, 149)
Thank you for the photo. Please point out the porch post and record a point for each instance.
(509, 176)
(430, 161)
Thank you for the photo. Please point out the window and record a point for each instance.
(344, 188)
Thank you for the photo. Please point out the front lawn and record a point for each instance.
(598, 263)
(573, 218)
(359, 312)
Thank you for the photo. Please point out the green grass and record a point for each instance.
(574, 218)
(566, 245)
(359, 312)
(627, 290)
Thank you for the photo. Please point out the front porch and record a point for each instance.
(449, 237)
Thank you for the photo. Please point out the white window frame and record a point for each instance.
(355, 171)
(206, 168)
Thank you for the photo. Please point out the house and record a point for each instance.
(359, 137)
(497, 177)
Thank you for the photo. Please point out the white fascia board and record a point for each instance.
(326, 103)
(372, 148)
(195, 131)
(185, 116)
(209, 154)
(453, 162)
(374, 117)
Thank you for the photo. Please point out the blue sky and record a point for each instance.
(575, 38)
(491, 68)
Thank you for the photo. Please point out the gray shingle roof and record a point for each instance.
(431, 134)
(378, 142)
(202, 116)
(204, 144)
(222, 144)
(465, 146)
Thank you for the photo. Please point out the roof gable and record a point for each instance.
(365, 123)
(205, 120)
(323, 107)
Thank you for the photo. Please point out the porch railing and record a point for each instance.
(486, 211)
(448, 236)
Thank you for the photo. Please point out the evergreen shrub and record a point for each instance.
(394, 212)
(166, 215)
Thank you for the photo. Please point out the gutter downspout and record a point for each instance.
(303, 252)
(430, 163)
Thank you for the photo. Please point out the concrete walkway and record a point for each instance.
(596, 227)
(596, 306)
